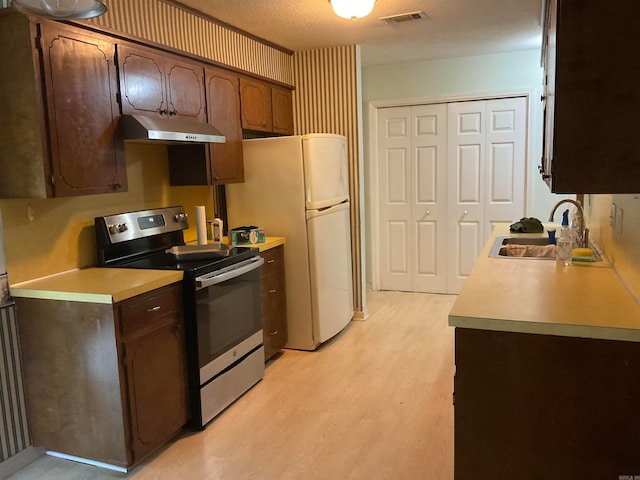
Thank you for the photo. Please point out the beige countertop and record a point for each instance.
(269, 243)
(95, 285)
(545, 297)
(107, 285)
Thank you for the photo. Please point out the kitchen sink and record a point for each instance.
(499, 248)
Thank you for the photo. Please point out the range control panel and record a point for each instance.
(142, 223)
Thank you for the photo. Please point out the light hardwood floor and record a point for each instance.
(374, 403)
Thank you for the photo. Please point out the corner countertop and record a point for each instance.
(269, 243)
(523, 295)
(95, 285)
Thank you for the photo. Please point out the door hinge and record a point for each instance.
(53, 180)
(38, 42)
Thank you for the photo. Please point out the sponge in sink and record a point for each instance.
(582, 255)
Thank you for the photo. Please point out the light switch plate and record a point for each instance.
(612, 216)
(619, 217)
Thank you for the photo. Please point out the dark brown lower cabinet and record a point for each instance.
(105, 382)
(544, 407)
(274, 303)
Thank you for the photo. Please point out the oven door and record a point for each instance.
(229, 316)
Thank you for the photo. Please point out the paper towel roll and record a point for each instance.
(201, 224)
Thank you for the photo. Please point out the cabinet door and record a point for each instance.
(185, 90)
(141, 81)
(156, 381)
(255, 100)
(81, 96)
(274, 305)
(282, 110)
(151, 336)
(223, 105)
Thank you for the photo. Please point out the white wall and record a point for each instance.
(459, 79)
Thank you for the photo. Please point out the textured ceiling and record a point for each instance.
(452, 28)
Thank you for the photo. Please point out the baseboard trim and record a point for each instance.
(360, 315)
(87, 461)
(20, 460)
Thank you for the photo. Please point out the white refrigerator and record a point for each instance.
(298, 187)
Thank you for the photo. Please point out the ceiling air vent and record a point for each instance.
(403, 17)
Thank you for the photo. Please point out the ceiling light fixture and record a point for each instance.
(61, 9)
(352, 9)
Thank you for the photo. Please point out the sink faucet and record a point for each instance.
(583, 236)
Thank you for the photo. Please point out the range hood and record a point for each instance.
(143, 129)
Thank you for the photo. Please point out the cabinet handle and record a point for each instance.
(172, 113)
(272, 291)
(275, 332)
(162, 111)
(153, 309)
(271, 261)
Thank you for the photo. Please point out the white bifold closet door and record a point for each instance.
(446, 174)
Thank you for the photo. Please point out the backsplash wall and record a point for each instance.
(61, 235)
(621, 244)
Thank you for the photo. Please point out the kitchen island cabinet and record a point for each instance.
(547, 365)
(274, 303)
(54, 142)
(104, 380)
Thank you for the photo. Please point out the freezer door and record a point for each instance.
(326, 173)
(330, 268)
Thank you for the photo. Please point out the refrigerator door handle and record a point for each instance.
(327, 210)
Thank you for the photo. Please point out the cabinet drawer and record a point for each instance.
(272, 287)
(148, 311)
(273, 261)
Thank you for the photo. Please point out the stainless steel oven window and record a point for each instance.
(227, 313)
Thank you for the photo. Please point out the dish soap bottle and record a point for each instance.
(564, 230)
(565, 242)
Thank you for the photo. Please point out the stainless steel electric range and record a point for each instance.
(222, 300)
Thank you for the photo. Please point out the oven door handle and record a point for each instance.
(206, 281)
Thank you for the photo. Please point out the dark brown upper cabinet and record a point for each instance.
(282, 106)
(266, 107)
(60, 134)
(255, 101)
(158, 83)
(223, 103)
(592, 72)
(215, 163)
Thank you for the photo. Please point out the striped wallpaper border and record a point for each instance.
(326, 100)
(167, 24)
(164, 23)
(14, 433)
